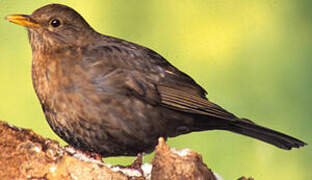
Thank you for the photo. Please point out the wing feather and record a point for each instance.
(188, 102)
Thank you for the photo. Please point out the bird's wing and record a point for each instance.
(187, 101)
(139, 71)
(179, 91)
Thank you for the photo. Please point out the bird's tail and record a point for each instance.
(248, 128)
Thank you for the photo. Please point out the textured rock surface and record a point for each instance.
(184, 164)
(26, 155)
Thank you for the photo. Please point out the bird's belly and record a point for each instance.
(110, 127)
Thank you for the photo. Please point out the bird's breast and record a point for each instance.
(62, 86)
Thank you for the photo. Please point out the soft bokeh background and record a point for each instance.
(253, 57)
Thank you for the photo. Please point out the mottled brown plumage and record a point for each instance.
(113, 97)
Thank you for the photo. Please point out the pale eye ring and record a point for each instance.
(55, 23)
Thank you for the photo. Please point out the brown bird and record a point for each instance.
(109, 96)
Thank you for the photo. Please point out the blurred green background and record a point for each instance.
(252, 56)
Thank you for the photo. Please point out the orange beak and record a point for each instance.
(21, 19)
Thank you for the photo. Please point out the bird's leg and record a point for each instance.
(137, 163)
(95, 156)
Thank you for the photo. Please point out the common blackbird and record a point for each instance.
(113, 97)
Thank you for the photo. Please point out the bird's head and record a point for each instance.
(54, 26)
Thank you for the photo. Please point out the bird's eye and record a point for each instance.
(55, 23)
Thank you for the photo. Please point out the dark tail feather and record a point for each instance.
(267, 135)
(248, 128)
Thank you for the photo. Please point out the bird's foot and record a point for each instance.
(95, 156)
(136, 164)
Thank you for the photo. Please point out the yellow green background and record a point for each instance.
(254, 57)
